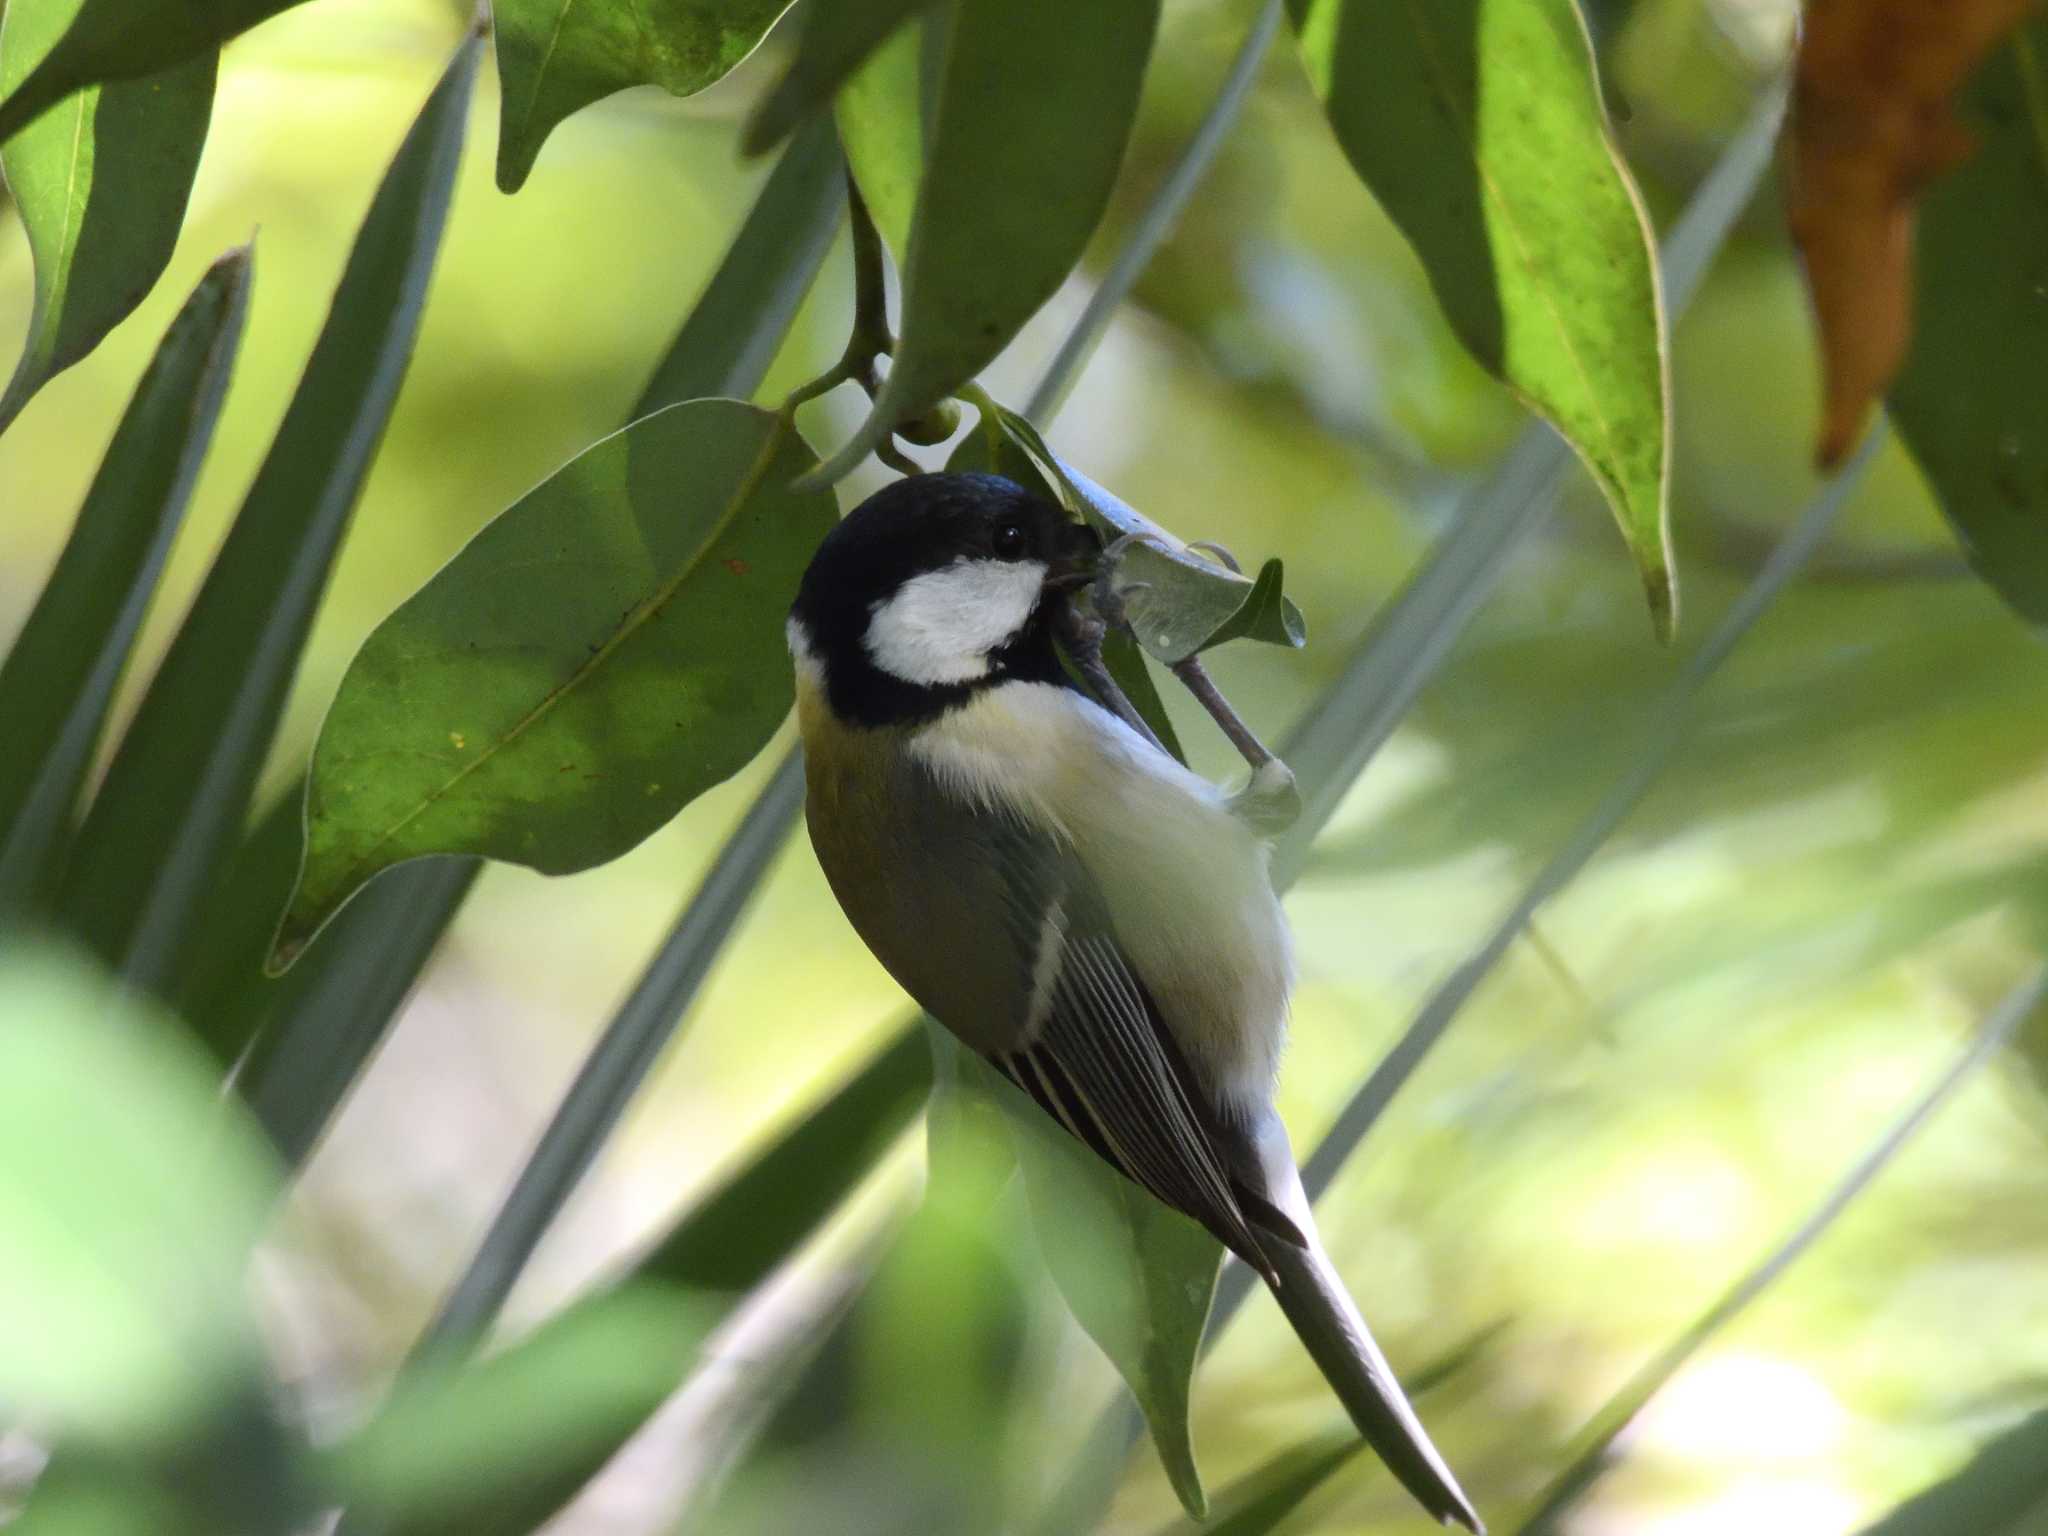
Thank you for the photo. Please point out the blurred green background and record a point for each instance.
(1845, 869)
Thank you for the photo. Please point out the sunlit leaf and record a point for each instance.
(101, 187)
(89, 42)
(1871, 127)
(58, 681)
(1972, 401)
(1033, 104)
(556, 57)
(599, 655)
(129, 1203)
(1138, 1276)
(739, 322)
(1480, 130)
(881, 126)
(177, 794)
(835, 39)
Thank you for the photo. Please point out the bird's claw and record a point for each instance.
(1220, 552)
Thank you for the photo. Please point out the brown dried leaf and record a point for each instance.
(1872, 125)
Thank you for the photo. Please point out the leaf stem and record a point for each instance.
(870, 337)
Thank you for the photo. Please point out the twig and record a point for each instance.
(1195, 678)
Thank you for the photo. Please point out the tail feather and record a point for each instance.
(1315, 1301)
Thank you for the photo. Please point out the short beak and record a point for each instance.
(1074, 563)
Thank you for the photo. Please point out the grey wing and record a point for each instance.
(1099, 1058)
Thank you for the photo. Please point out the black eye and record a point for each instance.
(1008, 542)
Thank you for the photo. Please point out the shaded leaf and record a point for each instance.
(59, 680)
(1479, 129)
(1263, 1498)
(2003, 1491)
(1033, 104)
(604, 651)
(1973, 397)
(101, 186)
(1871, 127)
(177, 794)
(835, 39)
(481, 1450)
(738, 323)
(90, 42)
(1177, 601)
(881, 126)
(720, 1250)
(1138, 1276)
(556, 57)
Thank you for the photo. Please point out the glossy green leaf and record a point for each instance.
(727, 1244)
(1479, 128)
(58, 681)
(1973, 397)
(1178, 602)
(881, 125)
(1034, 102)
(129, 1203)
(89, 42)
(738, 324)
(101, 186)
(555, 57)
(836, 38)
(602, 653)
(177, 794)
(2002, 1491)
(1138, 1276)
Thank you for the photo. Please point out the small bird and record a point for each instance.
(1074, 904)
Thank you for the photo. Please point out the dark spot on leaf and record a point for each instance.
(737, 566)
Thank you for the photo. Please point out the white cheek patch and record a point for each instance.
(940, 627)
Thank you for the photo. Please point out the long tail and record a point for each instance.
(1316, 1303)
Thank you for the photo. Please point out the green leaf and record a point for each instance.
(1138, 1276)
(2003, 1491)
(1479, 128)
(738, 324)
(727, 1244)
(836, 38)
(177, 794)
(1973, 398)
(1034, 102)
(485, 1449)
(555, 57)
(90, 42)
(602, 653)
(59, 679)
(881, 126)
(1261, 1501)
(129, 1203)
(1178, 602)
(101, 186)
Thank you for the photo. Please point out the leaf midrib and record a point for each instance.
(636, 619)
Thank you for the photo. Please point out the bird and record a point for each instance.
(1092, 917)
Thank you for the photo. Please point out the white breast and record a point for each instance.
(1186, 881)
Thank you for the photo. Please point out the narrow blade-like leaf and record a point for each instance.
(58, 681)
(1974, 391)
(178, 791)
(87, 42)
(2002, 1492)
(835, 39)
(101, 187)
(1597, 1442)
(735, 329)
(602, 653)
(556, 57)
(1479, 128)
(1035, 102)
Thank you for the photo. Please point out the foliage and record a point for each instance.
(608, 648)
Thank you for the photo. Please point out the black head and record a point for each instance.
(935, 587)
